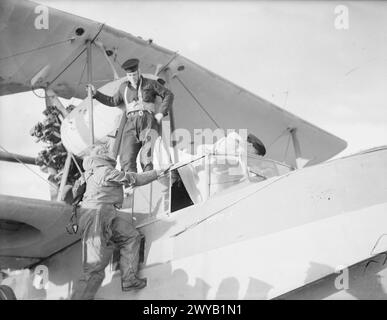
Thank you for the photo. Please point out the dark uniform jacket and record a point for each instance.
(150, 89)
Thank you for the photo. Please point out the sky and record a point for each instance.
(288, 52)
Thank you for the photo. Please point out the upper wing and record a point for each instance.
(59, 52)
(205, 100)
(202, 99)
(31, 230)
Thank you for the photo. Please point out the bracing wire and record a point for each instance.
(76, 164)
(33, 171)
(198, 102)
(77, 56)
(68, 66)
(82, 73)
(276, 139)
(214, 121)
(176, 54)
(36, 49)
(286, 150)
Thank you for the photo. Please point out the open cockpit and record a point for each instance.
(196, 178)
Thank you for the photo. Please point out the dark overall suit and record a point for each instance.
(141, 128)
(103, 227)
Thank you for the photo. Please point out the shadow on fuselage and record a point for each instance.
(365, 280)
(166, 283)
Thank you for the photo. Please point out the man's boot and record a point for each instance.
(134, 284)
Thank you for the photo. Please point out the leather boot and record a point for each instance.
(134, 284)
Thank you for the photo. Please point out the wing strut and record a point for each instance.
(89, 93)
(65, 174)
(159, 70)
(90, 80)
(52, 99)
(297, 148)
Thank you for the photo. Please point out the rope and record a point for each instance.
(36, 49)
(33, 171)
(197, 101)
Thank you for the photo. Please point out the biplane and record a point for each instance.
(289, 225)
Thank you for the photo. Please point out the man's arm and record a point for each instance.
(111, 101)
(145, 177)
(166, 95)
(131, 178)
(119, 177)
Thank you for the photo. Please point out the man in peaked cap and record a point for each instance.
(141, 129)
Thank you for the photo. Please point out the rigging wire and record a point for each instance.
(85, 82)
(217, 125)
(197, 101)
(68, 66)
(176, 54)
(78, 55)
(83, 71)
(36, 49)
(276, 139)
(40, 48)
(116, 61)
(76, 163)
(214, 121)
(80, 81)
(286, 150)
(33, 171)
